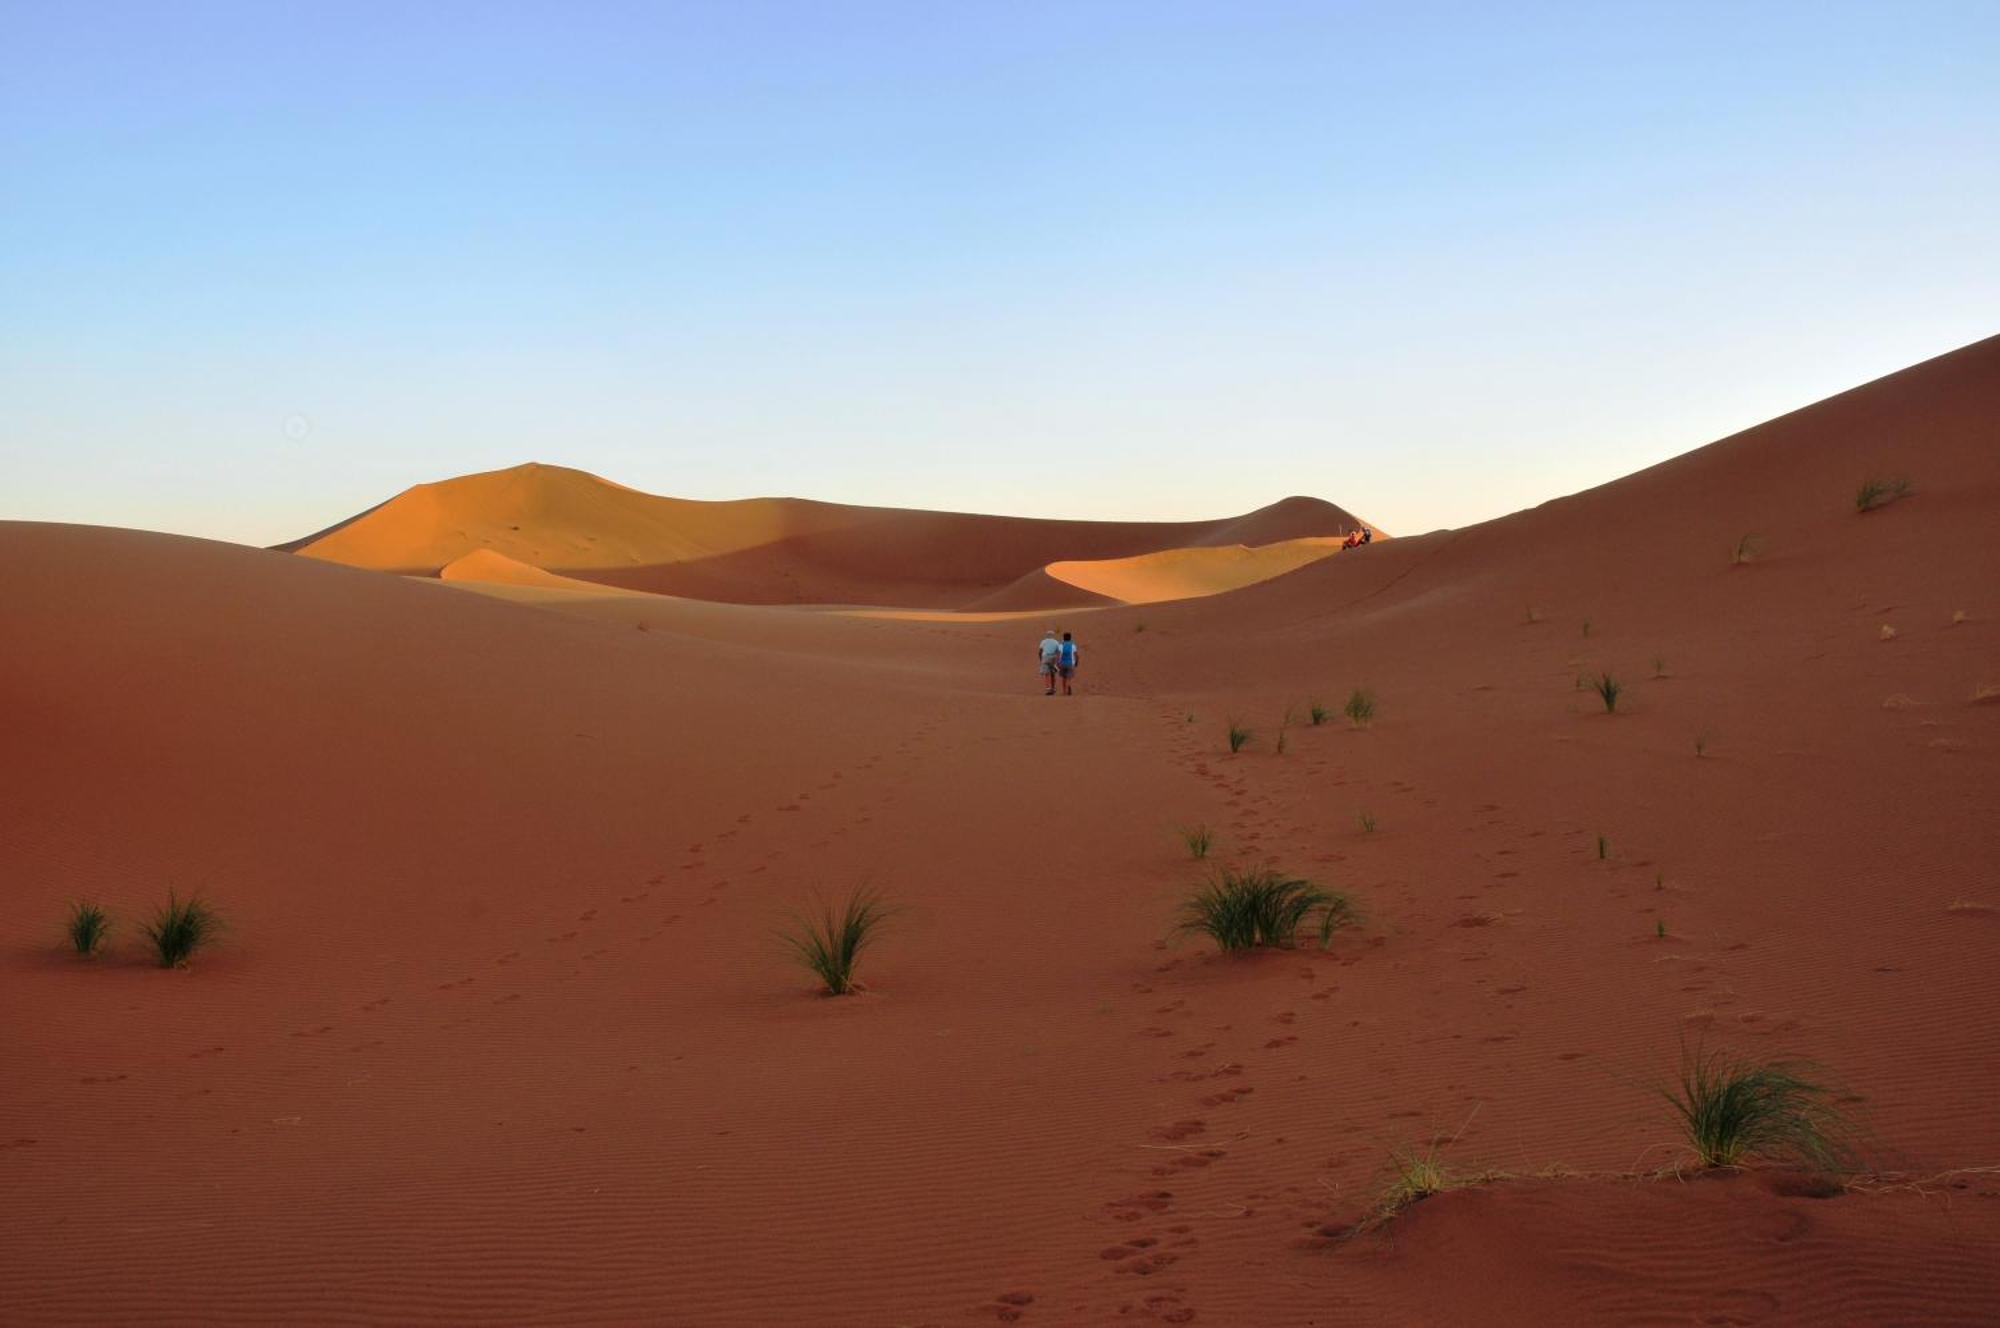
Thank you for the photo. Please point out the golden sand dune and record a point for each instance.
(500, 1034)
(1149, 578)
(488, 568)
(765, 550)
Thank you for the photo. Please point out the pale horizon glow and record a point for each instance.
(260, 270)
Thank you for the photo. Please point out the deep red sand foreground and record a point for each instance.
(500, 1033)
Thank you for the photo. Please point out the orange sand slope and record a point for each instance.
(764, 550)
(500, 1034)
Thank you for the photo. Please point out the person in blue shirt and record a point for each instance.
(1049, 653)
(1066, 662)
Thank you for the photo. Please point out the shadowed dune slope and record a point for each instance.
(500, 1032)
(760, 550)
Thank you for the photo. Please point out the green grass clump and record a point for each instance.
(1198, 838)
(1238, 736)
(1731, 1109)
(87, 927)
(1875, 493)
(1360, 707)
(1660, 928)
(180, 928)
(1318, 714)
(1607, 689)
(829, 946)
(1367, 821)
(1414, 1174)
(1603, 848)
(1262, 907)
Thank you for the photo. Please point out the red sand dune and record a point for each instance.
(765, 550)
(500, 1033)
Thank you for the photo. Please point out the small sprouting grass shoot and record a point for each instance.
(1701, 744)
(1586, 627)
(1318, 714)
(87, 927)
(180, 928)
(1603, 848)
(1366, 820)
(1875, 493)
(1239, 736)
(1659, 666)
(1248, 909)
(1732, 1109)
(829, 946)
(1660, 928)
(1199, 839)
(1283, 738)
(1360, 707)
(1748, 547)
(1607, 689)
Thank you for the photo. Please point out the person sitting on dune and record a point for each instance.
(1066, 661)
(1050, 655)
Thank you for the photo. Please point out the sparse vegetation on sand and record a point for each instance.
(180, 928)
(1367, 821)
(1318, 714)
(1198, 838)
(87, 927)
(1701, 744)
(1659, 666)
(1748, 549)
(830, 944)
(1284, 731)
(1586, 627)
(1262, 907)
(1239, 736)
(1732, 1109)
(1875, 493)
(1607, 689)
(1603, 848)
(1415, 1173)
(1360, 707)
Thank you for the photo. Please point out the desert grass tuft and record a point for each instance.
(1747, 550)
(1360, 707)
(1603, 848)
(1660, 928)
(1318, 714)
(87, 926)
(1239, 736)
(1284, 733)
(1367, 821)
(830, 944)
(1198, 838)
(1607, 689)
(180, 928)
(1414, 1174)
(1246, 909)
(1732, 1109)
(1586, 627)
(1875, 493)
(1659, 666)
(1701, 744)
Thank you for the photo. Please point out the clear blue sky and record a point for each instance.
(262, 265)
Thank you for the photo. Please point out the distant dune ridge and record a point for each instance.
(500, 1033)
(584, 529)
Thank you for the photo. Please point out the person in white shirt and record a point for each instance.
(1050, 654)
